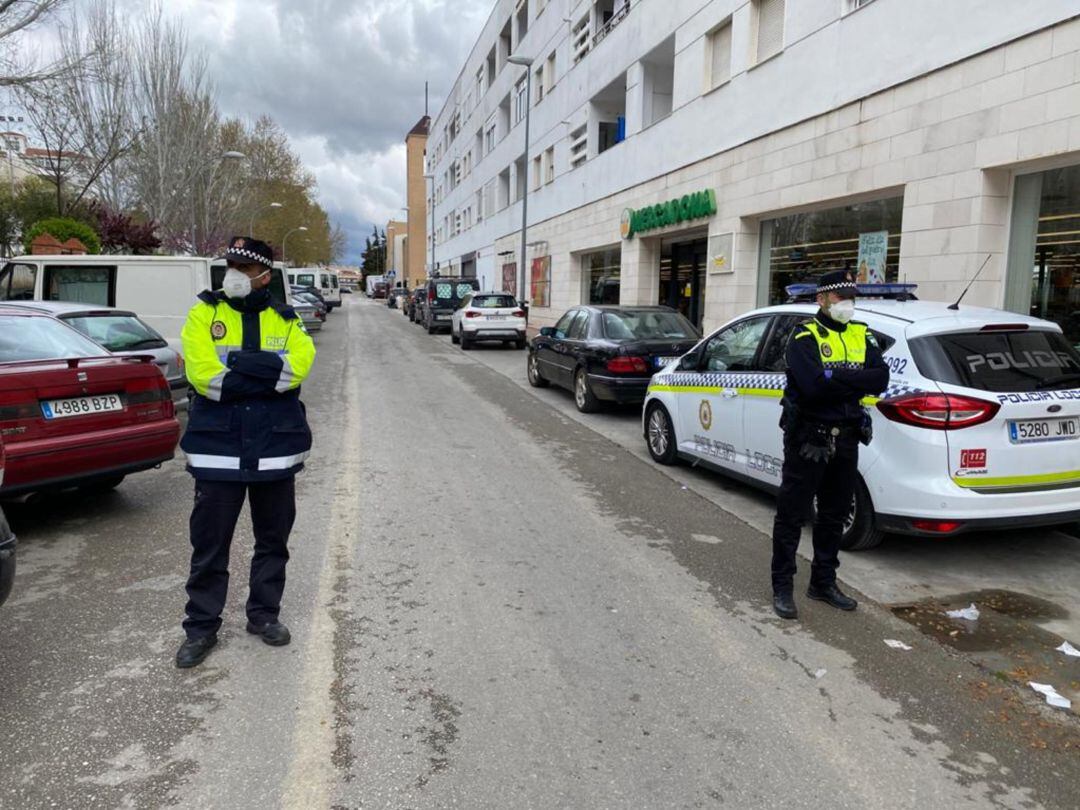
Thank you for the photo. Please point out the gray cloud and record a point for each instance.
(344, 78)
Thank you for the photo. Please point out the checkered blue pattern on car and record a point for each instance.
(757, 381)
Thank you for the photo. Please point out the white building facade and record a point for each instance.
(705, 155)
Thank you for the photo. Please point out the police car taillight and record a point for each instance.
(939, 411)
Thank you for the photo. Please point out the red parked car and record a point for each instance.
(7, 546)
(72, 417)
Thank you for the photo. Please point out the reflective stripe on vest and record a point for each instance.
(845, 349)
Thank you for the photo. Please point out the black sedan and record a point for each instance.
(604, 353)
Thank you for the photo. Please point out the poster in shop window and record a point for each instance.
(873, 246)
(509, 278)
(541, 282)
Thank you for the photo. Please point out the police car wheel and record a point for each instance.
(659, 435)
(532, 366)
(860, 531)
(584, 398)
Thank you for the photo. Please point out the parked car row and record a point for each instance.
(978, 429)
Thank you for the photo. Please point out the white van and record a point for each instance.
(323, 280)
(159, 289)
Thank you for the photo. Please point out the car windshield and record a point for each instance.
(117, 333)
(41, 338)
(647, 325)
(1006, 362)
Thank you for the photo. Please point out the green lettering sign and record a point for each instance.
(698, 205)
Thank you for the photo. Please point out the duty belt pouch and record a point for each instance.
(819, 443)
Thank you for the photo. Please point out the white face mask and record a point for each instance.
(237, 284)
(842, 311)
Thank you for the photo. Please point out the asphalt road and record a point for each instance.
(492, 605)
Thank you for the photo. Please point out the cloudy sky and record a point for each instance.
(345, 78)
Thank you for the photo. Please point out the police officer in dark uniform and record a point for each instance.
(832, 363)
(247, 435)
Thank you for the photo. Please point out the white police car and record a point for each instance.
(979, 428)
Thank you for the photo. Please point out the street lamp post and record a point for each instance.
(431, 177)
(525, 62)
(251, 228)
(286, 236)
(230, 155)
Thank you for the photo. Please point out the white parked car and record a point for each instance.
(979, 427)
(488, 316)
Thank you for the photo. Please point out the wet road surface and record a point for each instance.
(492, 606)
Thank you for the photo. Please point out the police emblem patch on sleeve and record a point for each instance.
(218, 330)
(826, 350)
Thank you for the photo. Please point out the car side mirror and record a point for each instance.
(690, 362)
(547, 331)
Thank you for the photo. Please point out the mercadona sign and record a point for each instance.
(682, 209)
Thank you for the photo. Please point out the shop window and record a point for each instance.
(1047, 284)
(540, 282)
(769, 25)
(600, 275)
(863, 238)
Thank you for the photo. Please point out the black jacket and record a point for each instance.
(831, 397)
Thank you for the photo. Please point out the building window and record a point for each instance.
(538, 82)
(863, 238)
(854, 5)
(538, 171)
(581, 38)
(549, 165)
(540, 282)
(769, 18)
(489, 138)
(480, 205)
(549, 74)
(520, 100)
(1044, 253)
(579, 146)
(600, 276)
(720, 55)
(609, 109)
(479, 85)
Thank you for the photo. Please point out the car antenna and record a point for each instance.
(956, 306)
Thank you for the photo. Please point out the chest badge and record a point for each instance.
(705, 414)
(826, 350)
(218, 330)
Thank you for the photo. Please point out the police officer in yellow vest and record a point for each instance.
(832, 363)
(246, 356)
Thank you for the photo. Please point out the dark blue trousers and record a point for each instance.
(833, 484)
(213, 519)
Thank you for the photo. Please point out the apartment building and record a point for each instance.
(706, 154)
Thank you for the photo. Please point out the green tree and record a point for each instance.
(63, 228)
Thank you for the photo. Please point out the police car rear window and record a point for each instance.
(1029, 360)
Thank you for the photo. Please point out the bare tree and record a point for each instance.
(83, 115)
(17, 17)
(178, 150)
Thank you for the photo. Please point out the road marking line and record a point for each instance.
(311, 773)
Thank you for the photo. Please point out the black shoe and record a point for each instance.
(784, 605)
(273, 633)
(832, 595)
(194, 651)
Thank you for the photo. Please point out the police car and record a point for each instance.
(978, 429)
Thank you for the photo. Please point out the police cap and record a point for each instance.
(245, 250)
(840, 282)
